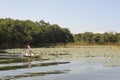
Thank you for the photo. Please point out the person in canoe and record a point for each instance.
(29, 50)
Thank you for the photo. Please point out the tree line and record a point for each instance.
(16, 33)
(98, 38)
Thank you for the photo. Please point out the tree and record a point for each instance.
(15, 33)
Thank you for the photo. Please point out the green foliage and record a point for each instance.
(15, 33)
(98, 38)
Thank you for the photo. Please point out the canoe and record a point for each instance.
(29, 54)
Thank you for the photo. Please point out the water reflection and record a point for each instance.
(25, 70)
(29, 62)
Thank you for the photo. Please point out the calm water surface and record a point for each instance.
(17, 67)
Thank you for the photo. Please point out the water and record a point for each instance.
(17, 67)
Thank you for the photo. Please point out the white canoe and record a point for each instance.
(29, 54)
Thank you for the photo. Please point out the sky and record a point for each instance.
(76, 15)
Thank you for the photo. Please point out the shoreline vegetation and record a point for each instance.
(17, 33)
(79, 44)
(71, 53)
(76, 45)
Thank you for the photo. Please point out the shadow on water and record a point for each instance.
(11, 58)
(16, 58)
(28, 63)
(34, 74)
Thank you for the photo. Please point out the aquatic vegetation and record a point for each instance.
(82, 51)
(54, 61)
